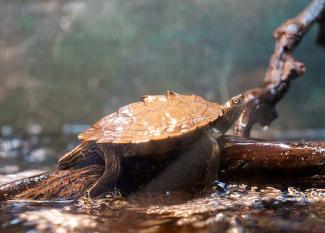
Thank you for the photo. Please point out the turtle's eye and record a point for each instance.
(235, 101)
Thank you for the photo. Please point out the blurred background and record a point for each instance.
(65, 64)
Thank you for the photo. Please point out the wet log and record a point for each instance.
(243, 160)
(250, 155)
(253, 161)
(283, 68)
(55, 184)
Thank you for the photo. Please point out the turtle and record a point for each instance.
(155, 124)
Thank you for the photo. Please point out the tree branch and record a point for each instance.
(283, 68)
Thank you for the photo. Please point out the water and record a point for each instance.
(225, 208)
(238, 209)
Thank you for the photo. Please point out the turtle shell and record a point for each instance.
(156, 124)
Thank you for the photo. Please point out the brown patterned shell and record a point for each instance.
(158, 123)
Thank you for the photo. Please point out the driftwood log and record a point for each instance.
(297, 162)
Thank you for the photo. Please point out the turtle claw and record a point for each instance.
(100, 187)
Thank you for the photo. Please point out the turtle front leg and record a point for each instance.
(111, 157)
(212, 148)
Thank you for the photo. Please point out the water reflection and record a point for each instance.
(238, 209)
(55, 220)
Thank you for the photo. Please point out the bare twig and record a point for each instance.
(283, 68)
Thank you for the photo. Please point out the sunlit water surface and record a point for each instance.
(227, 208)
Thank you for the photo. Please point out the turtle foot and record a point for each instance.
(102, 186)
(111, 157)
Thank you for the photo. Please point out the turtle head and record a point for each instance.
(231, 111)
(234, 107)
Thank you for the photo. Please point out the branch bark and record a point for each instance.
(257, 156)
(283, 68)
(55, 184)
(259, 162)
